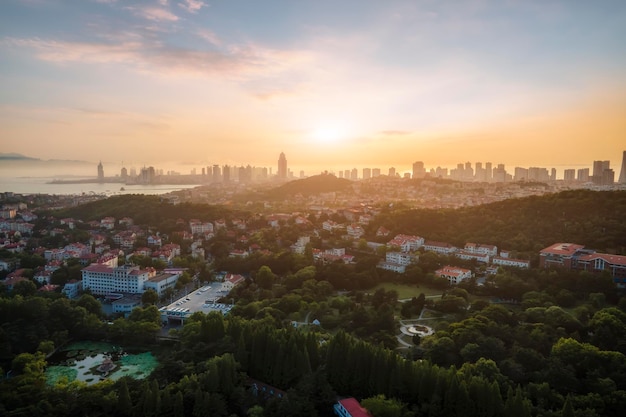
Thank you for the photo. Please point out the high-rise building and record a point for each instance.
(521, 174)
(622, 174)
(367, 173)
(582, 175)
(226, 173)
(608, 177)
(100, 172)
(124, 173)
(282, 166)
(488, 171)
(418, 170)
(392, 172)
(598, 168)
(376, 172)
(569, 175)
(217, 173)
(354, 174)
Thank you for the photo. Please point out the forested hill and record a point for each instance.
(323, 183)
(144, 209)
(592, 218)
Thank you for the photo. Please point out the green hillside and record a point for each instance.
(594, 219)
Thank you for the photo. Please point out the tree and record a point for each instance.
(265, 277)
(380, 406)
(124, 402)
(149, 297)
(24, 288)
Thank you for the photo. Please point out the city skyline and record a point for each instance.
(601, 173)
(385, 84)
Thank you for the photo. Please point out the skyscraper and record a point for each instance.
(418, 170)
(282, 166)
(100, 172)
(598, 169)
(622, 174)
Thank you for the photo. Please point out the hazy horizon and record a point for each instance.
(333, 85)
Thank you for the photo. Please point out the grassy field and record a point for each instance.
(407, 291)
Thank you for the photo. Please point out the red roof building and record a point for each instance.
(350, 407)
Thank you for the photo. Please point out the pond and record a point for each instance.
(92, 362)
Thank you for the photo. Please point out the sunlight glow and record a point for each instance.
(329, 134)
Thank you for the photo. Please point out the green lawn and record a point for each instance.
(407, 291)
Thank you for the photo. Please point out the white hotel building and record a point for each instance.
(103, 279)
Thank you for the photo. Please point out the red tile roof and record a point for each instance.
(566, 249)
(354, 408)
(612, 259)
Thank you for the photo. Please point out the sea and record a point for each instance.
(43, 185)
(36, 177)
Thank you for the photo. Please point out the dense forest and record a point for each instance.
(593, 218)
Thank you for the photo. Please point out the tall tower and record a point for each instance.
(282, 166)
(418, 169)
(100, 172)
(622, 174)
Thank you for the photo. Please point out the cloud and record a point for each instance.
(209, 36)
(156, 14)
(192, 6)
(237, 62)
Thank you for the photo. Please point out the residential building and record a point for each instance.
(355, 231)
(506, 261)
(72, 288)
(468, 255)
(439, 247)
(490, 250)
(397, 261)
(231, 281)
(454, 274)
(406, 243)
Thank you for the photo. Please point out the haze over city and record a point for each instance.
(360, 83)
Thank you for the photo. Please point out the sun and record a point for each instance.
(330, 134)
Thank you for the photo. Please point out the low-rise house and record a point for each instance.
(382, 232)
(490, 250)
(439, 247)
(154, 240)
(478, 256)
(108, 223)
(406, 243)
(231, 281)
(454, 274)
(397, 261)
(506, 261)
(238, 253)
(72, 288)
(355, 231)
(10, 281)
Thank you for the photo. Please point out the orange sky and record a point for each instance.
(156, 82)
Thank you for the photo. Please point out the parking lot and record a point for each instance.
(203, 299)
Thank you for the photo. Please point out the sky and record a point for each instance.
(332, 84)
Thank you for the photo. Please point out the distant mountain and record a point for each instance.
(16, 157)
(323, 183)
